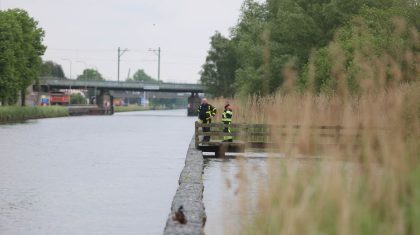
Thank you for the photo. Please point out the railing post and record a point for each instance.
(247, 134)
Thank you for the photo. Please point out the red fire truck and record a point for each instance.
(59, 98)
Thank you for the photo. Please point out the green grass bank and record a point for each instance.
(16, 113)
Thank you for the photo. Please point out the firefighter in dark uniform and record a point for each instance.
(227, 119)
(205, 113)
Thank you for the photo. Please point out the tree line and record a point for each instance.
(50, 69)
(21, 48)
(305, 40)
(21, 51)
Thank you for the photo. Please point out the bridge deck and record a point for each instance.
(125, 86)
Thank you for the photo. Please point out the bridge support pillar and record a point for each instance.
(105, 101)
(194, 102)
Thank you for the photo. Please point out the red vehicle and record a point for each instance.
(59, 98)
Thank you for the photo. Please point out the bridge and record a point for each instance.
(48, 84)
(104, 87)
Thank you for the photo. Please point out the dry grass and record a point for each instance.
(367, 180)
(373, 189)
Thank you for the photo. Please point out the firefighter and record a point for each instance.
(227, 119)
(205, 112)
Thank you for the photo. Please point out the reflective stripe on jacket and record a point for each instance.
(227, 116)
(206, 112)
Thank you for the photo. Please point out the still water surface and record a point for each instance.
(232, 186)
(92, 175)
(225, 181)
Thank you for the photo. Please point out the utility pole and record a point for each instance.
(157, 52)
(120, 53)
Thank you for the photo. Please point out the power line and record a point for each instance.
(93, 50)
(79, 50)
(138, 50)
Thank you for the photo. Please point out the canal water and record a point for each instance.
(231, 189)
(93, 174)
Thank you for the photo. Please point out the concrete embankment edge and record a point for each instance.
(190, 196)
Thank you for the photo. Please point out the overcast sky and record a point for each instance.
(88, 32)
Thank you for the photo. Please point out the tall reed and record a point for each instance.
(374, 188)
(366, 179)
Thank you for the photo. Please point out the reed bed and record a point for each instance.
(367, 181)
(16, 113)
(366, 177)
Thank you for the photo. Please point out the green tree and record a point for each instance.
(31, 50)
(77, 99)
(141, 76)
(90, 75)
(250, 41)
(218, 73)
(274, 34)
(381, 36)
(51, 70)
(9, 83)
(20, 53)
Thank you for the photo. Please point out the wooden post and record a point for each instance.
(196, 135)
(221, 151)
(246, 134)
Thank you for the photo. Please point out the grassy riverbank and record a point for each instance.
(16, 114)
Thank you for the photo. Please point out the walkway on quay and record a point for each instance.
(189, 197)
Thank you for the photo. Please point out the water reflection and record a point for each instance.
(232, 185)
(225, 180)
